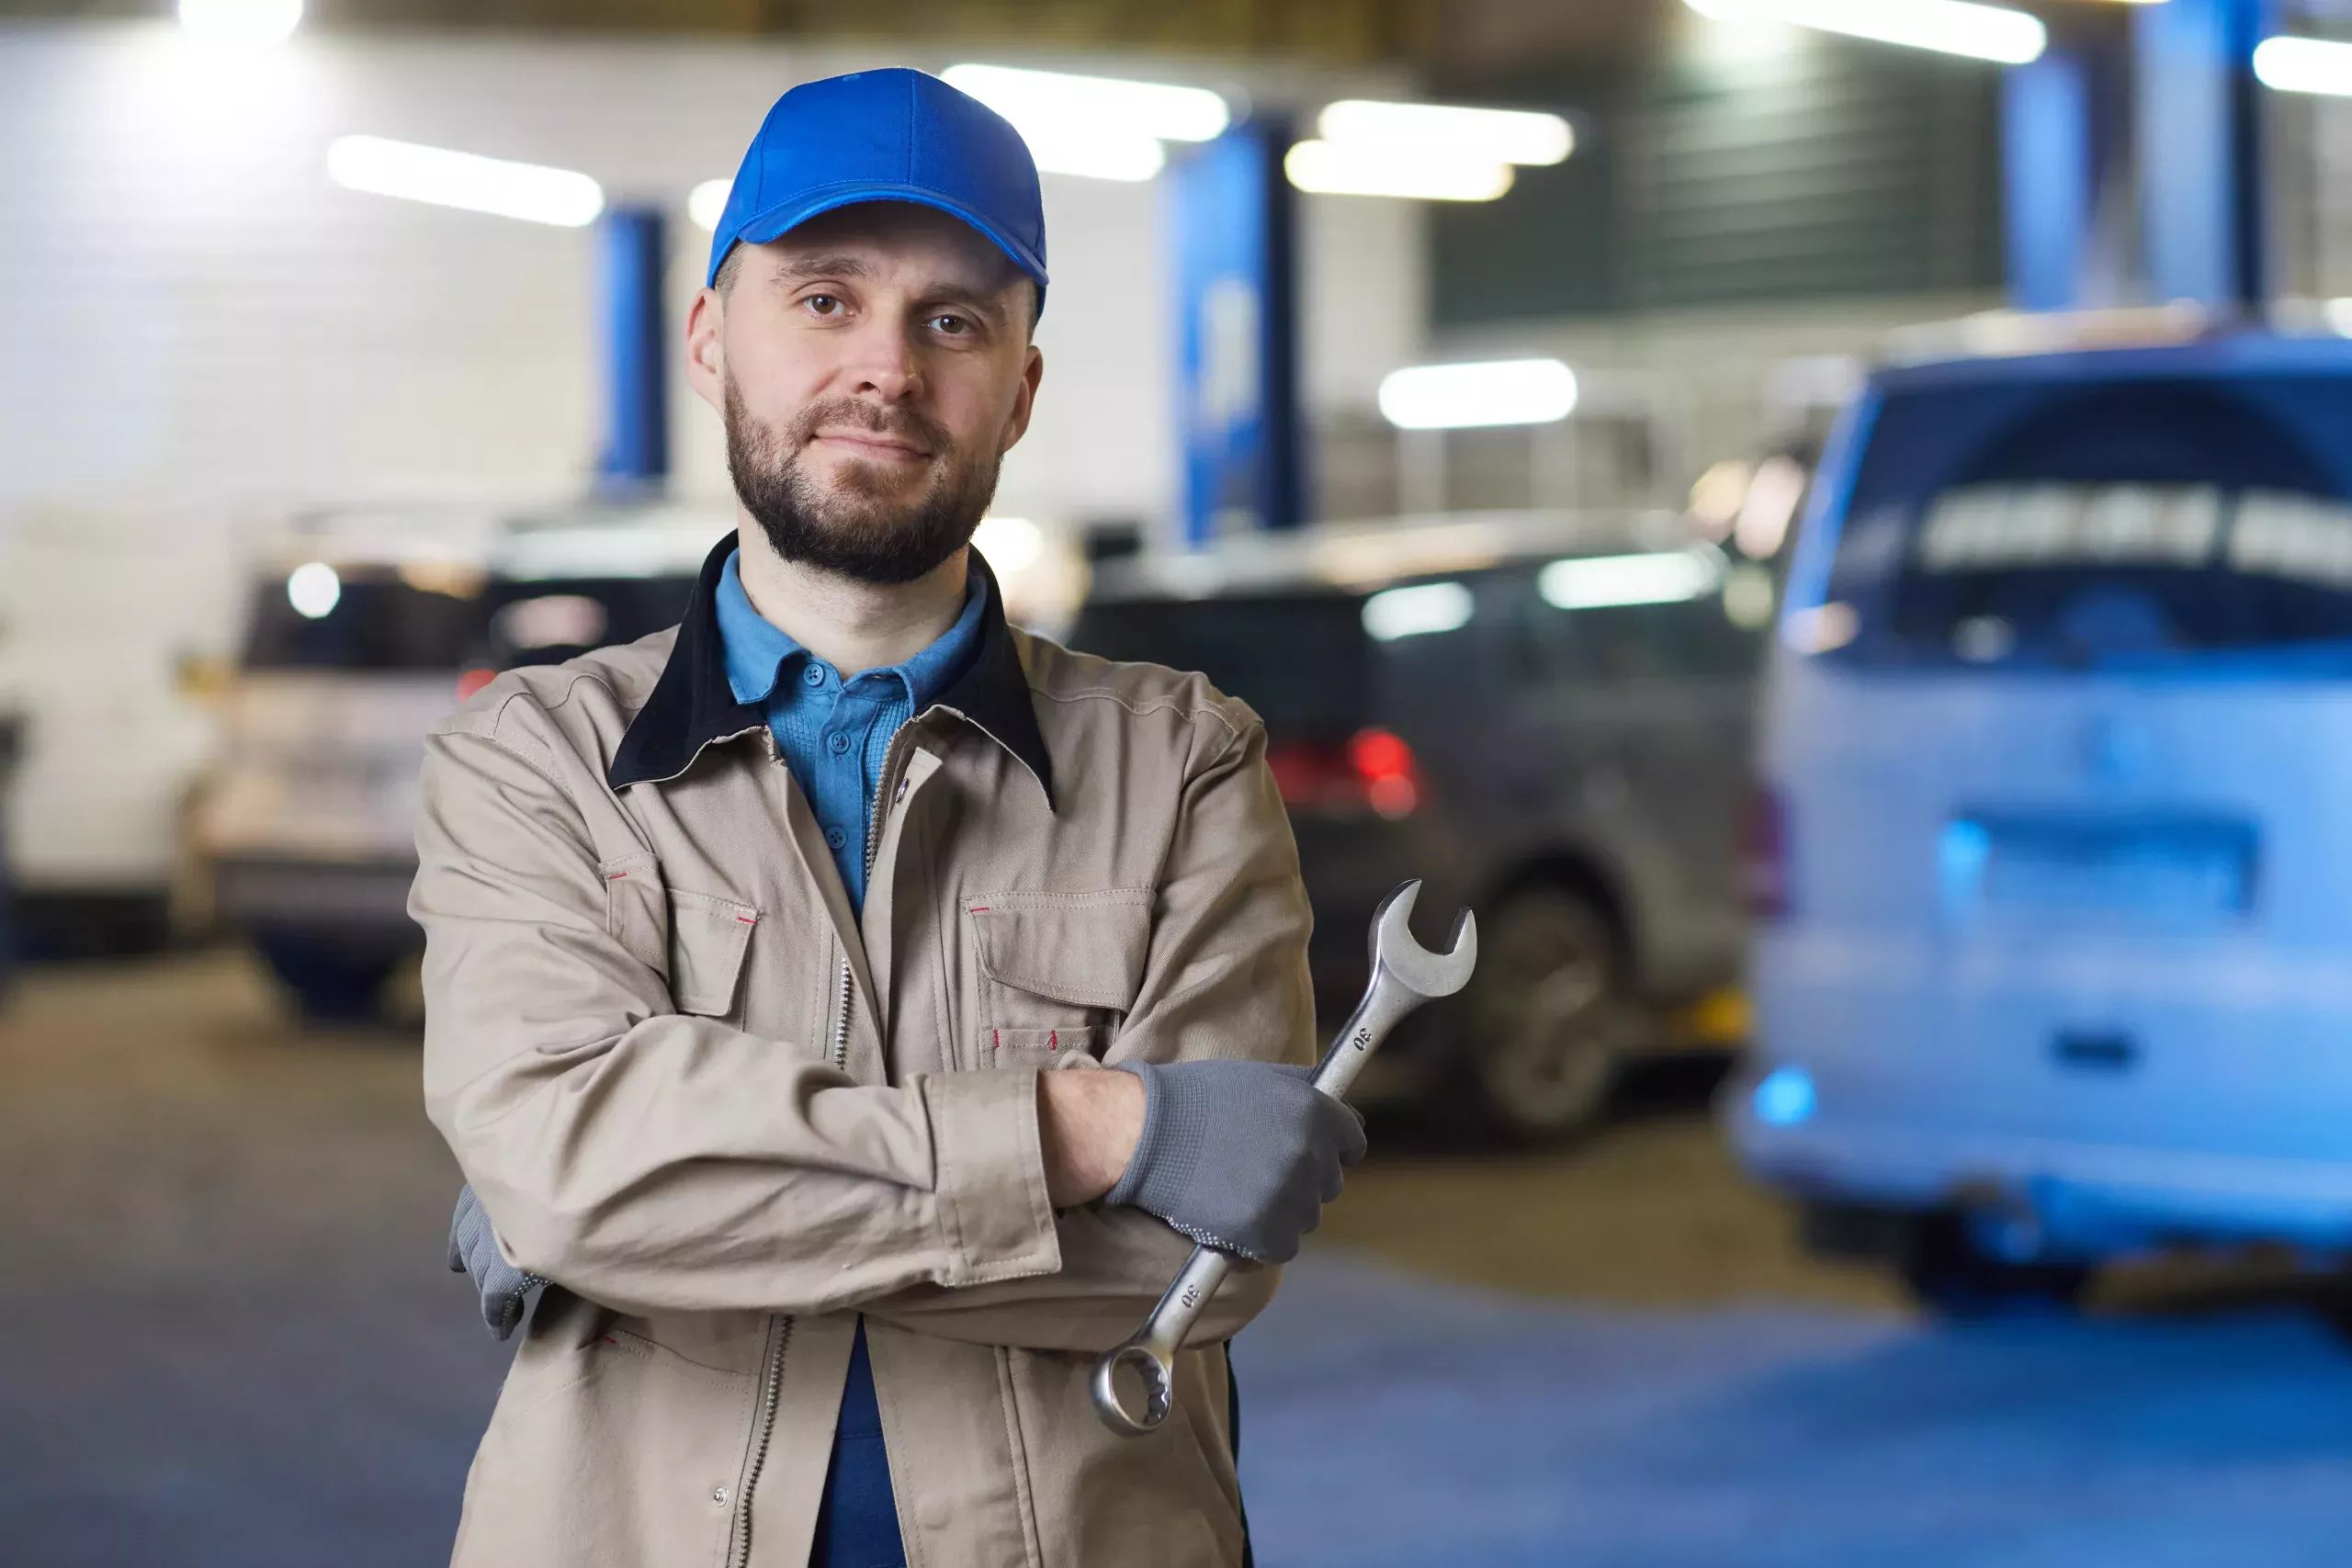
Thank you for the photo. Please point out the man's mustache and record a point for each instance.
(903, 425)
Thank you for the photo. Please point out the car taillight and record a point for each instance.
(1385, 765)
(1374, 770)
(1764, 854)
(473, 680)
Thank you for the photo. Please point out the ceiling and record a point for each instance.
(1452, 40)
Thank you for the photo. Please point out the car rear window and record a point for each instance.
(1300, 659)
(376, 622)
(2069, 525)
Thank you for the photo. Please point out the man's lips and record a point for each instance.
(871, 443)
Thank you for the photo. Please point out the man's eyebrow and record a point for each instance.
(801, 268)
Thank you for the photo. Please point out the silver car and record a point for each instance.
(1547, 719)
(363, 630)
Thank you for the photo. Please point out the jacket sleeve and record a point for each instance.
(1226, 977)
(652, 1161)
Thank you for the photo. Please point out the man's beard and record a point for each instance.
(855, 533)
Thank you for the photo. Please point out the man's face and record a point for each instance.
(873, 368)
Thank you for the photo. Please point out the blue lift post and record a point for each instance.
(1232, 219)
(2049, 170)
(636, 455)
(2179, 116)
(2202, 171)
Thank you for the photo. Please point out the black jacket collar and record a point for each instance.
(693, 706)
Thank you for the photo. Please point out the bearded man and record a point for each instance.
(776, 961)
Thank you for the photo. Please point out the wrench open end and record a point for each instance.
(1429, 975)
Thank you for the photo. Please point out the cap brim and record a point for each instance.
(778, 221)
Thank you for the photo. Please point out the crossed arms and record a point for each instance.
(658, 1162)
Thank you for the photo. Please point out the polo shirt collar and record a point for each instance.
(757, 649)
(695, 701)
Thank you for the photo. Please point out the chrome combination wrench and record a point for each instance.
(1403, 975)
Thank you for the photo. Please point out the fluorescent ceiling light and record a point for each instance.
(706, 203)
(1600, 583)
(241, 21)
(1492, 136)
(1105, 155)
(1422, 610)
(1951, 27)
(435, 174)
(1367, 168)
(1455, 397)
(2305, 65)
(1103, 104)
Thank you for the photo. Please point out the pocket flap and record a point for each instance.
(1086, 949)
(707, 940)
(1067, 1046)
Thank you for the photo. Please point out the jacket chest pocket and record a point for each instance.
(696, 939)
(1057, 971)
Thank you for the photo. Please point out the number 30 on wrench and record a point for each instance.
(1403, 975)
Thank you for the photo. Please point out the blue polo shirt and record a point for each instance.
(833, 735)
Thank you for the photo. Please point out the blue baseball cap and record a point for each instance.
(893, 135)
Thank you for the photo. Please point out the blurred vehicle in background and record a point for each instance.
(2058, 819)
(364, 630)
(1545, 718)
(105, 617)
(11, 733)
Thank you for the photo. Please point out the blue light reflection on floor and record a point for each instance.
(1388, 1422)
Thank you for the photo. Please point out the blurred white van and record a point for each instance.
(2054, 848)
(363, 630)
(108, 623)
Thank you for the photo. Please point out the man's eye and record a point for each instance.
(953, 326)
(824, 304)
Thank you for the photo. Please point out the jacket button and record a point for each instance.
(719, 1496)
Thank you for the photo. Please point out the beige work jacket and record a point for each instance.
(729, 1117)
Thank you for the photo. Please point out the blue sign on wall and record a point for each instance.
(1230, 218)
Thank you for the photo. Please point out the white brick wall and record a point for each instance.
(190, 311)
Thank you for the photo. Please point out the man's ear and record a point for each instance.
(707, 349)
(1024, 401)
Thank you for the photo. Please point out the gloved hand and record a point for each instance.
(1239, 1156)
(473, 1251)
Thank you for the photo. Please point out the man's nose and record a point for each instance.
(883, 364)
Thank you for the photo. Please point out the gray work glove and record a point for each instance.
(1239, 1156)
(473, 1251)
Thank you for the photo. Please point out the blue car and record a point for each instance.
(2053, 849)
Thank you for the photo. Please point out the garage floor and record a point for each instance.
(225, 1338)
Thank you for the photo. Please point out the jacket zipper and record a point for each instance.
(742, 1556)
(772, 1393)
(873, 844)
